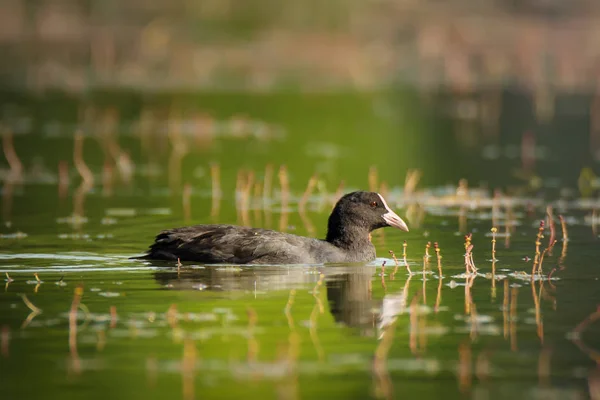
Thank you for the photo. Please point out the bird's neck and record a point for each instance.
(356, 238)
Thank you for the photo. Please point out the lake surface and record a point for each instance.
(95, 324)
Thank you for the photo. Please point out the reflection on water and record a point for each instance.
(280, 330)
(494, 313)
(484, 301)
(236, 278)
(350, 300)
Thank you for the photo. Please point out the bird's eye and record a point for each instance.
(374, 204)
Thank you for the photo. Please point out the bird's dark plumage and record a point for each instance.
(352, 219)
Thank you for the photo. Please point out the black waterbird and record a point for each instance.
(352, 220)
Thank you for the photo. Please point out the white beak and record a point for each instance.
(391, 218)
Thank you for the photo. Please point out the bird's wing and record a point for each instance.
(227, 244)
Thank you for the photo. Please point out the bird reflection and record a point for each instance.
(350, 302)
(233, 278)
(349, 290)
(348, 293)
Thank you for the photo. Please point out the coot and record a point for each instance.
(354, 216)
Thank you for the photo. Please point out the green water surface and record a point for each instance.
(143, 330)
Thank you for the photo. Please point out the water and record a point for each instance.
(96, 324)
